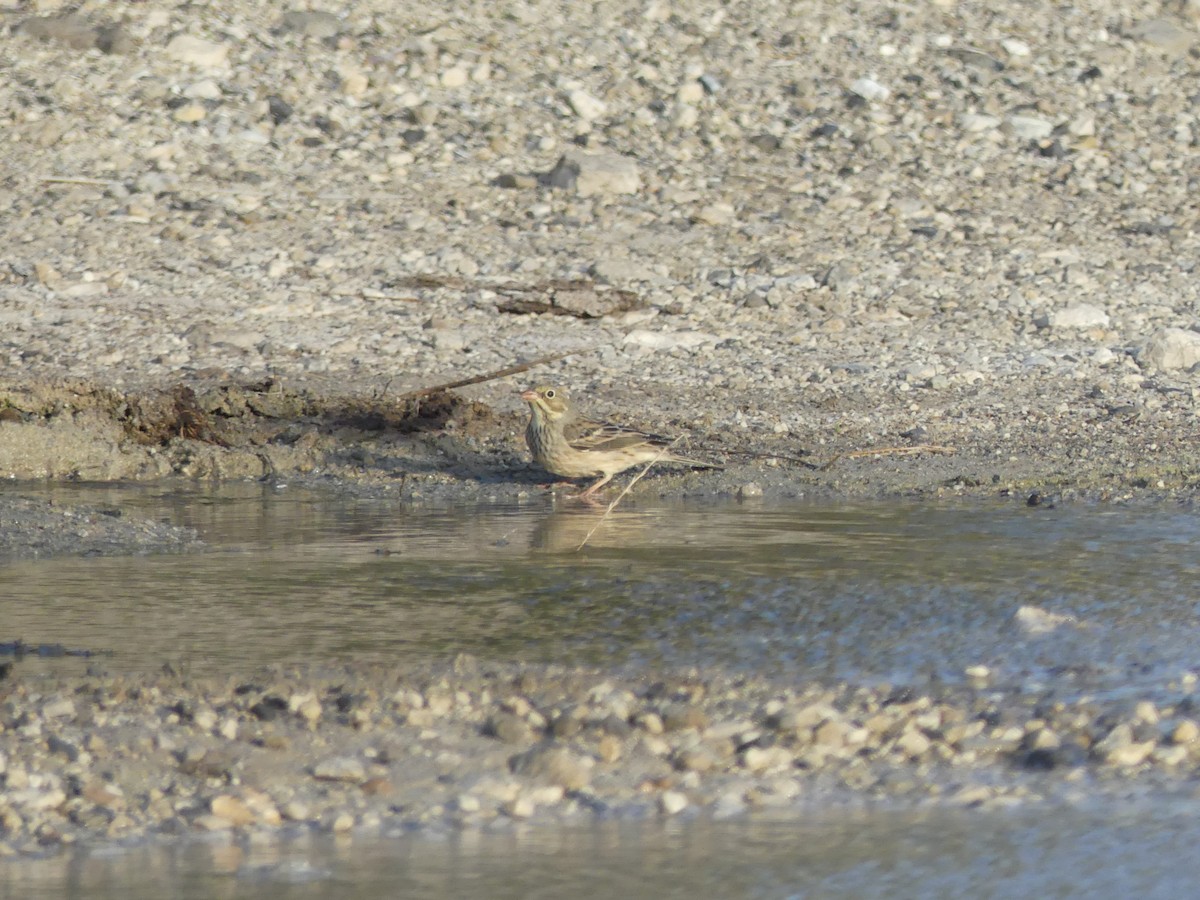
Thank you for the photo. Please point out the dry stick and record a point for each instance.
(636, 478)
(71, 179)
(487, 376)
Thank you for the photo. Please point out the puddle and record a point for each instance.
(867, 592)
(882, 592)
(1101, 851)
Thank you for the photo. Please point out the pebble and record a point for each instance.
(194, 51)
(314, 24)
(340, 768)
(555, 764)
(1171, 348)
(1081, 315)
(595, 174)
(870, 90)
(586, 106)
(672, 802)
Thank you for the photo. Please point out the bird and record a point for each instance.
(566, 443)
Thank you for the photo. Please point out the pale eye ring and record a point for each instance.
(550, 394)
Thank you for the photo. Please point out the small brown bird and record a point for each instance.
(566, 443)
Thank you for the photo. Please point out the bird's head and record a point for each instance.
(548, 401)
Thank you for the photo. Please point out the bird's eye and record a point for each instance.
(550, 394)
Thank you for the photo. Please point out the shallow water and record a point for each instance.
(873, 592)
(868, 591)
(1116, 851)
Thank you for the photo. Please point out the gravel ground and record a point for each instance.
(238, 234)
(854, 227)
(471, 745)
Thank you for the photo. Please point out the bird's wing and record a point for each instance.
(587, 434)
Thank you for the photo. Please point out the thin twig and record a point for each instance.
(487, 376)
(890, 451)
(636, 478)
(77, 180)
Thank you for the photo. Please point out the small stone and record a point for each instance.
(553, 763)
(669, 340)
(912, 743)
(1081, 315)
(107, 795)
(714, 214)
(650, 722)
(1029, 128)
(749, 489)
(192, 112)
(305, 705)
(520, 808)
(509, 728)
(609, 748)
(870, 90)
(678, 717)
(84, 289)
(311, 24)
(1186, 732)
(1014, 47)
(340, 768)
(194, 51)
(585, 105)
(672, 802)
(1147, 712)
(354, 82)
(207, 89)
(210, 822)
(1171, 348)
(1034, 620)
(764, 759)
(695, 759)
(1165, 35)
(455, 77)
(233, 810)
(62, 708)
(590, 174)
(975, 124)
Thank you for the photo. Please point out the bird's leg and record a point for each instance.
(595, 486)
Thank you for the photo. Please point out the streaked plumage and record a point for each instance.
(568, 444)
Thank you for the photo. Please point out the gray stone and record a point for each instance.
(194, 51)
(314, 24)
(1171, 348)
(553, 763)
(340, 768)
(591, 174)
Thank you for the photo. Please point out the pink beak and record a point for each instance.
(529, 396)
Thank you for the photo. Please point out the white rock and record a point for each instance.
(1081, 315)
(203, 90)
(870, 89)
(196, 51)
(454, 77)
(590, 174)
(672, 802)
(1035, 620)
(974, 124)
(668, 340)
(1171, 348)
(586, 106)
(715, 214)
(1030, 128)
(1014, 47)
